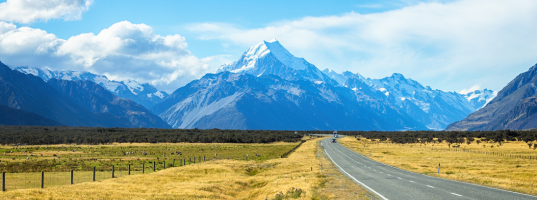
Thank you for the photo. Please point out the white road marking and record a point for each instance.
(399, 177)
(456, 194)
(353, 152)
(389, 175)
(412, 181)
(430, 186)
(354, 178)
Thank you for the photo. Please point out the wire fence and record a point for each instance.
(27, 180)
(490, 153)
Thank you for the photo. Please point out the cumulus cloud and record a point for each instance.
(28, 11)
(448, 46)
(122, 51)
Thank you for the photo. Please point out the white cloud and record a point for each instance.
(28, 11)
(445, 45)
(122, 51)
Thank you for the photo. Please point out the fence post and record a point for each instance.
(42, 180)
(143, 168)
(203, 158)
(129, 169)
(3, 181)
(93, 173)
(439, 167)
(164, 165)
(153, 165)
(71, 177)
(173, 163)
(112, 171)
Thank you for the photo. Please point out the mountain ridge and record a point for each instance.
(514, 107)
(144, 94)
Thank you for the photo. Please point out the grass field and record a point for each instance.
(503, 172)
(280, 178)
(63, 158)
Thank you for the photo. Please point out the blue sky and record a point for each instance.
(173, 17)
(448, 45)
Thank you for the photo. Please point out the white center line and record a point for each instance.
(389, 175)
(399, 177)
(412, 181)
(430, 186)
(456, 194)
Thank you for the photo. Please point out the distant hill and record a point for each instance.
(11, 116)
(98, 99)
(30, 93)
(514, 107)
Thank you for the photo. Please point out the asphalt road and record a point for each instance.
(388, 182)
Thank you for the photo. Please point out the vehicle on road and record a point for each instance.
(334, 140)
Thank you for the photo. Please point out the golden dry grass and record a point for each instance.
(508, 173)
(220, 179)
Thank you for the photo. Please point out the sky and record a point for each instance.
(448, 45)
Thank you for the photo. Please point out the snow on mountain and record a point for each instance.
(480, 98)
(513, 108)
(270, 57)
(433, 108)
(243, 101)
(144, 94)
(339, 78)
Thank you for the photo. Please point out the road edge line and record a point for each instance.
(353, 177)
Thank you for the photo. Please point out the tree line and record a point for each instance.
(450, 137)
(38, 135)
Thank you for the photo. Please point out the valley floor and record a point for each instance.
(497, 166)
(297, 176)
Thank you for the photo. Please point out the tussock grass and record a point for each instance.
(218, 179)
(58, 158)
(508, 173)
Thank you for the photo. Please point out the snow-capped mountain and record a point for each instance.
(70, 103)
(270, 57)
(144, 94)
(269, 88)
(480, 98)
(243, 101)
(433, 108)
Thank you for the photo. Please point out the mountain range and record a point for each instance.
(144, 94)
(71, 103)
(434, 108)
(266, 88)
(268, 84)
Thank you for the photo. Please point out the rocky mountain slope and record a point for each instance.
(30, 93)
(144, 94)
(243, 101)
(514, 107)
(269, 88)
(12, 116)
(433, 108)
(97, 99)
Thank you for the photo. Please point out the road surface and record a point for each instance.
(388, 182)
